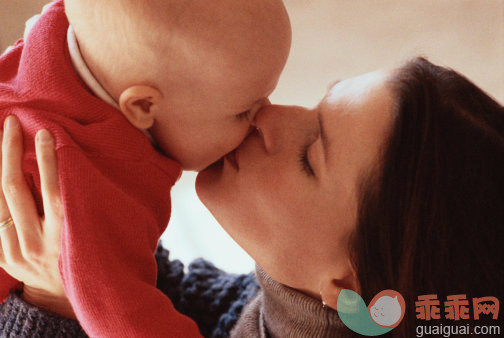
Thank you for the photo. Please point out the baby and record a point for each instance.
(187, 76)
(193, 72)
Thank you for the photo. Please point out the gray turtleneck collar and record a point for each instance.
(280, 311)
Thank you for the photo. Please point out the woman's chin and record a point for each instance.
(208, 177)
(217, 185)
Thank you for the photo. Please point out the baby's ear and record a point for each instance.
(138, 104)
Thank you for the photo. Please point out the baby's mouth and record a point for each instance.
(232, 158)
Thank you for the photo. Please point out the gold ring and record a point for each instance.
(6, 224)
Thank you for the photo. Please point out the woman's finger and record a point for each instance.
(11, 250)
(49, 180)
(17, 194)
(8, 236)
(4, 210)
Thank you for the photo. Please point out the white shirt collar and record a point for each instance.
(85, 74)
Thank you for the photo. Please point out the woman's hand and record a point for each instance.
(30, 245)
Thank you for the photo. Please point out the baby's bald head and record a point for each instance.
(193, 72)
(163, 42)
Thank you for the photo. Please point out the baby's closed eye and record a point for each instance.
(243, 115)
(250, 114)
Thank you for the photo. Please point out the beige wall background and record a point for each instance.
(13, 14)
(333, 39)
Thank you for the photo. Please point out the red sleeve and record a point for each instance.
(115, 211)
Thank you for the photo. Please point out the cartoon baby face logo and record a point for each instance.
(387, 308)
(383, 314)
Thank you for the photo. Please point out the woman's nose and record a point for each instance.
(278, 124)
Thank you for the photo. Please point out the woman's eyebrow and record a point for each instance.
(323, 135)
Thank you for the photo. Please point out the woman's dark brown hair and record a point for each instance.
(431, 218)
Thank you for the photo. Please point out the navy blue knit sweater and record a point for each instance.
(212, 298)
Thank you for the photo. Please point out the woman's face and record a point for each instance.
(288, 194)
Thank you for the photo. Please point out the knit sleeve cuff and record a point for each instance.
(21, 319)
(214, 298)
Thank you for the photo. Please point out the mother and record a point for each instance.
(394, 181)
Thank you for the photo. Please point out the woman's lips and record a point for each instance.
(215, 165)
(232, 158)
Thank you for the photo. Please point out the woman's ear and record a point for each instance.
(139, 105)
(331, 288)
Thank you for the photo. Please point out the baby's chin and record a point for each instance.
(190, 164)
(199, 166)
(204, 163)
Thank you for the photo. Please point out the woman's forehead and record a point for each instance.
(356, 88)
(357, 114)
